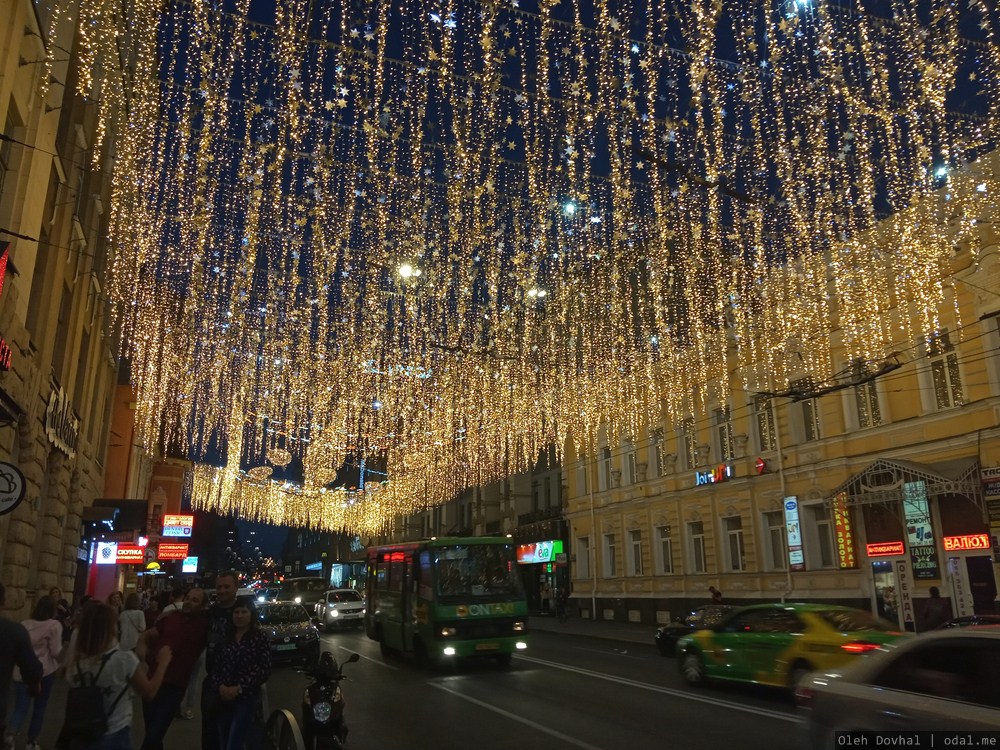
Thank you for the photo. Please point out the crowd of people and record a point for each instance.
(136, 644)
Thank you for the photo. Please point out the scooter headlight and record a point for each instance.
(322, 712)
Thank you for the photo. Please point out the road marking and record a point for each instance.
(380, 662)
(527, 722)
(615, 651)
(667, 691)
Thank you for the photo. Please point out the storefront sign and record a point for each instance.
(991, 494)
(61, 425)
(793, 532)
(315, 566)
(172, 552)
(919, 531)
(190, 565)
(130, 554)
(5, 355)
(961, 595)
(718, 474)
(885, 549)
(12, 487)
(967, 541)
(905, 594)
(845, 535)
(177, 525)
(106, 553)
(539, 552)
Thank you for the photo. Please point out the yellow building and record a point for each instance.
(876, 491)
(56, 385)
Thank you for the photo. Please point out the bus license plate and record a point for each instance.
(487, 646)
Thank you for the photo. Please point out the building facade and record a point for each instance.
(59, 370)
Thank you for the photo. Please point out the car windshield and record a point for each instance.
(477, 570)
(707, 617)
(344, 596)
(853, 620)
(280, 614)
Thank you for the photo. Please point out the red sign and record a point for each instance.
(172, 552)
(885, 549)
(4, 257)
(5, 355)
(129, 554)
(761, 465)
(178, 520)
(967, 541)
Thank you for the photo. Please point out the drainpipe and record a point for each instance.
(789, 586)
(592, 552)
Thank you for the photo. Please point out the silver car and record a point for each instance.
(340, 608)
(941, 680)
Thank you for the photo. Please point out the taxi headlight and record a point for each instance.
(298, 600)
(519, 626)
(322, 712)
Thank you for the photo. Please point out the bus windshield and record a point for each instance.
(476, 570)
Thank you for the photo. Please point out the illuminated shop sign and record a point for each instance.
(190, 565)
(106, 554)
(845, 535)
(539, 552)
(718, 474)
(885, 549)
(172, 552)
(967, 541)
(177, 525)
(793, 531)
(130, 554)
(919, 531)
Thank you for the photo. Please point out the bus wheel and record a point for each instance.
(504, 660)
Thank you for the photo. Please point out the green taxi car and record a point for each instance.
(777, 644)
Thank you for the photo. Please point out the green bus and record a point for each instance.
(445, 598)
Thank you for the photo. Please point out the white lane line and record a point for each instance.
(667, 691)
(617, 652)
(527, 722)
(380, 662)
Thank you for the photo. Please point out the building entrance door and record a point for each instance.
(885, 591)
(982, 584)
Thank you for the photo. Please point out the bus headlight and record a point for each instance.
(449, 651)
(521, 645)
(322, 712)
(519, 626)
(448, 632)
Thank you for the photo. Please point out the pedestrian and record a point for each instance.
(16, 652)
(131, 623)
(936, 611)
(242, 668)
(715, 594)
(185, 631)
(546, 597)
(220, 632)
(116, 600)
(176, 600)
(145, 597)
(45, 633)
(62, 611)
(98, 661)
(151, 613)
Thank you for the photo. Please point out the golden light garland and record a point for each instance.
(450, 234)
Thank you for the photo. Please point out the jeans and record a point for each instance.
(21, 702)
(158, 715)
(210, 706)
(235, 721)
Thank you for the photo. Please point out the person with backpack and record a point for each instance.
(46, 640)
(99, 704)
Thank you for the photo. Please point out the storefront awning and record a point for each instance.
(883, 481)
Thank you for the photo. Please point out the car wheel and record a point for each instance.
(798, 671)
(693, 668)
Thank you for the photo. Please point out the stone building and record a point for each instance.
(56, 388)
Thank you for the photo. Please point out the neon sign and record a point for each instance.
(719, 474)
(967, 541)
(885, 549)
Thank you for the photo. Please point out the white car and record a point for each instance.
(941, 680)
(340, 608)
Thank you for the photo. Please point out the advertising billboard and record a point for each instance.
(174, 525)
(539, 552)
(172, 551)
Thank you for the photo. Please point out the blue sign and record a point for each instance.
(315, 566)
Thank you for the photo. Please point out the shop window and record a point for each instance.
(774, 540)
(635, 552)
(736, 552)
(696, 547)
(610, 564)
(665, 551)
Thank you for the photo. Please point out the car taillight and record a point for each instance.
(804, 696)
(859, 647)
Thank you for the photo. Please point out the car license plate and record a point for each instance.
(285, 647)
(487, 646)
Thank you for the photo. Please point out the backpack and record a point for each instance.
(86, 717)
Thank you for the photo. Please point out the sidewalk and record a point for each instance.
(629, 632)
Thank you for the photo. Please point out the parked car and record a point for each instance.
(964, 622)
(268, 594)
(700, 618)
(291, 632)
(304, 591)
(340, 608)
(777, 644)
(942, 680)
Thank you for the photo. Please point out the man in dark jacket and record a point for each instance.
(937, 611)
(17, 652)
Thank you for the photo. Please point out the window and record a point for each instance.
(774, 525)
(822, 546)
(944, 371)
(658, 457)
(809, 410)
(665, 551)
(581, 476)
(866, 396)
(956, 670)
(610, 567)
(547, 482)
(635, 552)
(696, 541)
(583, 557)
(763, 408)
(688, 443)
(535, 496)
(632, 477)
(724, 434)
(734, 537)
(605, 468)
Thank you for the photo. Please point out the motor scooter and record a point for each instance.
(323, 724)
